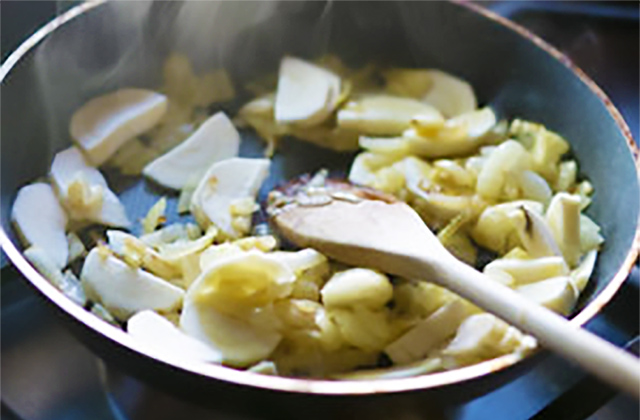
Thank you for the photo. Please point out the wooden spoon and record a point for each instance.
(365, 228)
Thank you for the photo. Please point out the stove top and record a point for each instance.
(47, 375)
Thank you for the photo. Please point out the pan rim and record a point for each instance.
(314, 386)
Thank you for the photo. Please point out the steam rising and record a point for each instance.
(123, 44)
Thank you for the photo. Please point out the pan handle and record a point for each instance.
(573, 403)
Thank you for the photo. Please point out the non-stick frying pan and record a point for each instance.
(97, 47)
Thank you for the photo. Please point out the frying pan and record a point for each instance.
(97, 47)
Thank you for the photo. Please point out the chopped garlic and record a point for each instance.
(384, 114)
(123, 290)
(451, 95)
(478, 338)
(76, 247)
(558, 294)
(216, 139)
(160, 335)
(429, 333)
(530, 270)
(229, 307)
(107, 122)
(306, 94)
(155, 216)
(221, 188)
(84, 192)
(40, 221)
(357, 287)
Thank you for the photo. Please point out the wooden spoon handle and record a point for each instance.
(591, 352)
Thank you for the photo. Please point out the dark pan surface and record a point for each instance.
(124, 44)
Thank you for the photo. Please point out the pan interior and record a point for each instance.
(128, 41)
